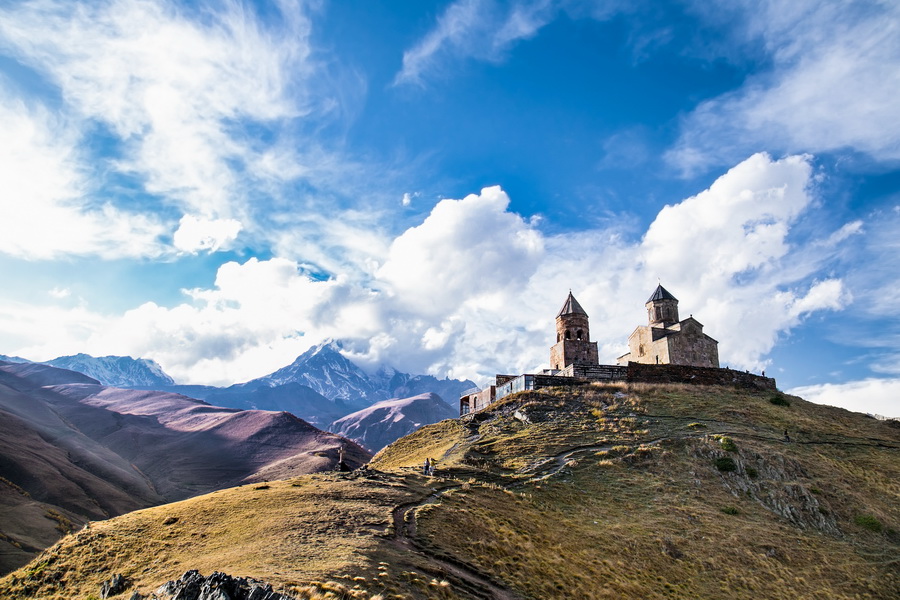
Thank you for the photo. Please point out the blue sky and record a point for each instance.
(218, 186)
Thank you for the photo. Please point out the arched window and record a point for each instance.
(579, 335)
(568, 334)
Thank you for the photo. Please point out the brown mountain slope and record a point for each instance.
(603, 492)
(384, 422)
(72, 450)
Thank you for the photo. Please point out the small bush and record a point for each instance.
(728, 444)
(869, 522)
(752, 473)
(730, 510)
(779, 400)
(726, 464)
(696, 426)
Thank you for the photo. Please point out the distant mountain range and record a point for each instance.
(116, 371)
(321, 386)
(73, 450)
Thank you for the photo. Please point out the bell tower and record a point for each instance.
(662, 308)
(573, 345)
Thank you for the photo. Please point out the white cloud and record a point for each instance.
(175, 91)
(464, 248)
(473, 290)
(481, 29)
(831, 85)
(60, 293)
(196, 234)
(46, 199)
(872, 396)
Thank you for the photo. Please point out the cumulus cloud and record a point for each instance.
(873, 396)
(831, 84)
(463, 249)
(46, 199)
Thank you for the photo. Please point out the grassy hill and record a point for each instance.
(640, 491)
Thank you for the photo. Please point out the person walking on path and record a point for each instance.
(427, 467)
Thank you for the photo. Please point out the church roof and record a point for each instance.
(661, 293)
(571, 307)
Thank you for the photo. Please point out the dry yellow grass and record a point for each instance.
(599, 492)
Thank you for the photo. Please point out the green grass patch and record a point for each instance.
(779, 400)
(869, 522)
(730, 510)
(728, 444)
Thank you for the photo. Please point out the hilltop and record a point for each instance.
(603, 491)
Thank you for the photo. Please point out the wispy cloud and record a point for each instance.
(831, 85)
(480, 29)
(43, 191)
(178, 92)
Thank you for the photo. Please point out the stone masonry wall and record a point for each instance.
(699, 375)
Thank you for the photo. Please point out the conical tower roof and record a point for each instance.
(661, 293)
(571, 307)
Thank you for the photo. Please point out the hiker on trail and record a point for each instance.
(427, 466)
(431, 467)
(787, 438)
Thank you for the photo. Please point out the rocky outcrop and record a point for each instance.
(218, 586)
(778, 483)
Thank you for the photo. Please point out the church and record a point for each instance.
(574, 358)
(668, 340)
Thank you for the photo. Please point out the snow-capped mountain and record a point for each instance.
(384, 422)
(116, 371)
(13, 359)
(324, 369)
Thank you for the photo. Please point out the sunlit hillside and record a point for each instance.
(641, 491)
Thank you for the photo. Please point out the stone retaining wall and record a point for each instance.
(638, 372)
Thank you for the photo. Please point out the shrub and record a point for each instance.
(726, 464)
(752, 473)
(730, 510)
(728, 444)
(696, 426)
(779, 400)
(869, 522)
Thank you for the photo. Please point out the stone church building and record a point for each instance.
(681, 350)
(573, 345)
(668, 340)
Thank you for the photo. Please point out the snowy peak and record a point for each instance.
(324, 369)
(116, 371)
